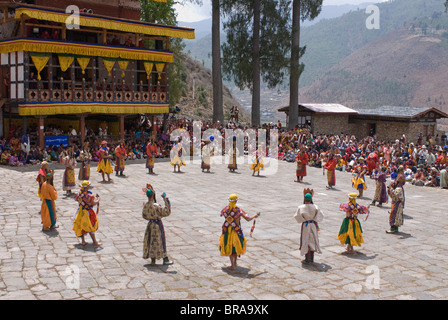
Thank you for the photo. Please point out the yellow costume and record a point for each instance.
(176, 155)
(257, 164)
(85, 220)
(351, 232)
(232, 241)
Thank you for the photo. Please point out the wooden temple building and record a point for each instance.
(70, 62)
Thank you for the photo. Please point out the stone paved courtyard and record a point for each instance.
(53, 265)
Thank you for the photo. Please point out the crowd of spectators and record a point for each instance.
(425, 162)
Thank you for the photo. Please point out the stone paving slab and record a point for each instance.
(45, 265)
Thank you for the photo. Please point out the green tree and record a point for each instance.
(256, 46)
(164, 13)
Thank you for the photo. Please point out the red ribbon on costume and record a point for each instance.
(253, 226)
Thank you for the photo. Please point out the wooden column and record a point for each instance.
(24, 125)
(121, 118)
(41, 133)
(82, 128)
(154, 122)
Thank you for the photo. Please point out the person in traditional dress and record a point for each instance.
(232, 243)
(372, 162)
(84, 157)
(151, 153)
(154, 243)
(330, 166)
(120, 156)
(207, 151)
(443, 179)
(177, 152)
(68, 180)
(358, 182)
(257, 163)
(396, 193)
(380, 195)
(350, 232)
(48, 196)
(104, 163)
(309, 215)
(86, 219)
(233, 154)
(42, 176)
(302, 161)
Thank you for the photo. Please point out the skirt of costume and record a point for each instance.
(68, 181)
(358, 183)
(301, 170)
(351, 232)
(205, 163)
(331, 178)
(84, 171)
(380, 192)
(230, 243)
(257, 165)
(85, 221)
(119, 164)
(177, 161)
(154, 243)
(48, 213)
(105, 166)
(150, 162)
(396, 214)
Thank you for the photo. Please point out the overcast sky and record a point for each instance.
(191, 13)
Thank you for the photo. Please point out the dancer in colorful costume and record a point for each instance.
(330, 166)
(68, 180)
(372, 162)
(309, 215)
(86, 219)
(151, 153)
(42, 176)
(120, 158)
(48, 196)
(154, 244)
(301, 160)
(358, 182)
(396, 193)
(232, 243)
(257, 163)
(380, 195)
(233, 154)
(85, 157)
(207, 151)
(176, 155)
(350, 232)
(104, 164)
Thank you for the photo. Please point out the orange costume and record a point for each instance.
(120, 154)
(330, 166)
(302, 160)
(151, 152)
(48, 209)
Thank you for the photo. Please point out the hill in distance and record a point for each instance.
(196, 102)
(403, 68)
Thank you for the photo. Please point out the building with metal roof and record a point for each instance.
(385, 122)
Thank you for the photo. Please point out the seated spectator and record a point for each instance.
(13, 160)
(5, 157)
(419, 178)
(432, 180)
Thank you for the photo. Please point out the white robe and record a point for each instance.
(309, 237)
